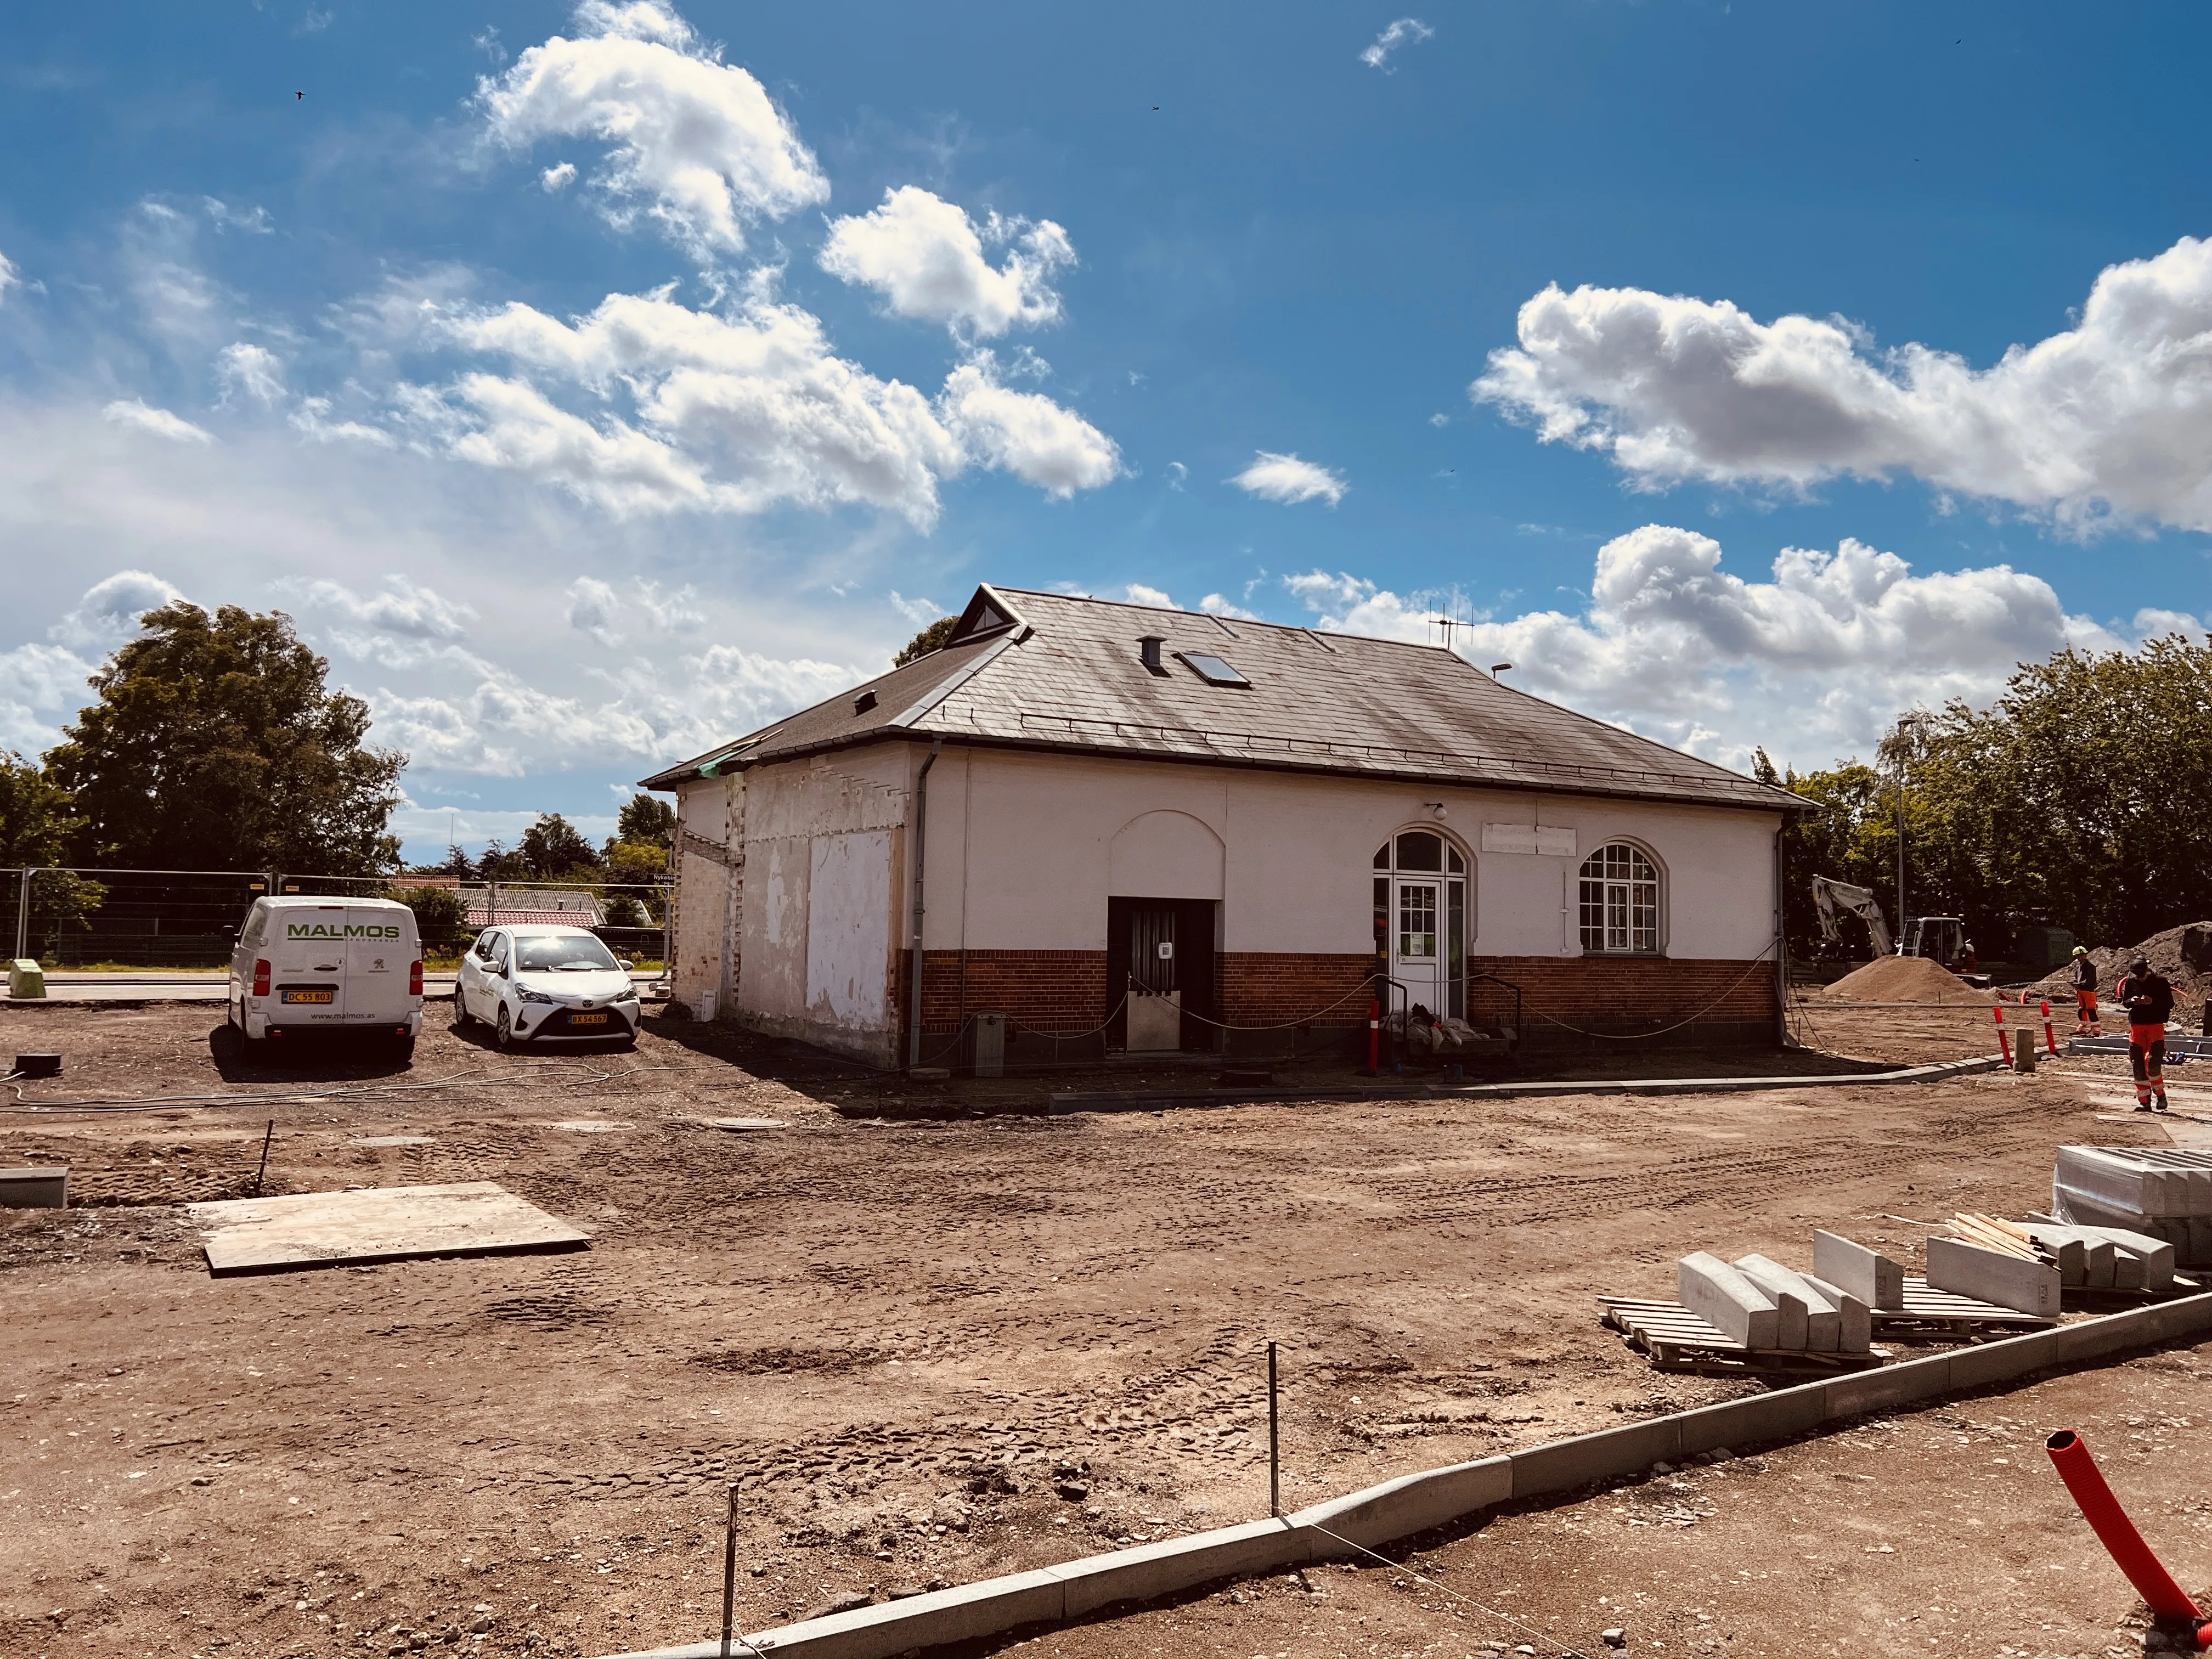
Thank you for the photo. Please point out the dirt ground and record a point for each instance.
(932, 1343)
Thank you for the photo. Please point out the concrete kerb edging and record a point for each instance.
(1434, 1498)
(1149, 1100)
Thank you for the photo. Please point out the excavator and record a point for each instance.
(1940, 939)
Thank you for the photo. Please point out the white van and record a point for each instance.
(328, 964)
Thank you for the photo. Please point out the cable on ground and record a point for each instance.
(1520, 1625)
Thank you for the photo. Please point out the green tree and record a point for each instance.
(932, 638)
(646, 821)
(554, 848)
(497, 864)
(37, 821)
(440, 915)
(636, 869)
(214, 745)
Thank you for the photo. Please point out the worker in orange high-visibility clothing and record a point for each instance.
(2148, 999)
(2085, 1020)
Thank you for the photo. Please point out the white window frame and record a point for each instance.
(1659, 901)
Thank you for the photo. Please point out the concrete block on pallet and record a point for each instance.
(2009, 1281)
(1853, 1319)
(2155, 1254)
(1807, 1316)
(40, 1186)
(1727, 1301)
(1755, 1418)
(2091, 1251)
(1400, 1508)
(1152, 1570)
(1867, 1274)
(2200, 1240)
(1563, 1465)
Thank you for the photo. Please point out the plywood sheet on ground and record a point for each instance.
(386, 1224)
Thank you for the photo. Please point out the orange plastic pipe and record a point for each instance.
(2169, 1602)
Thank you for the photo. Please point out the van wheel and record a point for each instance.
(402, 1050)
(503, 1035)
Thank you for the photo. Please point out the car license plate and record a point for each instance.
(588, 1019)
(308, 996)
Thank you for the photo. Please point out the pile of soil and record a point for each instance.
(1903, 979)
(2183, 954)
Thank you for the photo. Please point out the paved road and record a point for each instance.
(185, 986)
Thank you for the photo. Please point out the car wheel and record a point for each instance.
(502, 1035)
(463, 1019)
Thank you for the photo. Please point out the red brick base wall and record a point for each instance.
(1567, 1001)
(1048, 989)
(1265, 988)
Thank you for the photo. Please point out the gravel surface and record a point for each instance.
(930, 1338)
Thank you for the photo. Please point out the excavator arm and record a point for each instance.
(1831, 897)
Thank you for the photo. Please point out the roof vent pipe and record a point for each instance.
(1148, 651)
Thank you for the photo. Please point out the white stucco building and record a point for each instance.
(1125, 827)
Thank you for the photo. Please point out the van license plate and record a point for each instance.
(308, 996)
(588, 1019)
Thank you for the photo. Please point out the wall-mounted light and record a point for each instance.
(1437, 809)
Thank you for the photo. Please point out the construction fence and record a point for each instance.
(90, 917)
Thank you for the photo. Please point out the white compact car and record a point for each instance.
(307, 964)
(546, 984)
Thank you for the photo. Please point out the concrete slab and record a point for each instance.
(1858, 1271)
(1855, 1320)
(744, 1125)
(1563, 1465)
(593, 1125)
(1727, 1301)
(1806, 1314)
(1150, 1570)
(39, 1187)
(393, 1140)
(389, 1223)
(1400, 1508)
(2009, 1281)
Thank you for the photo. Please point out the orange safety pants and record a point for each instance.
(2146, 1059)
(2085, 1013)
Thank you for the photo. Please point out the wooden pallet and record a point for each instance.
(1678, 1340)
(1926, 1308)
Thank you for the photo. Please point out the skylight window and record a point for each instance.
(1214, 671)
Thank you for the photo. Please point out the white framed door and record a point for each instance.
(1417, 941)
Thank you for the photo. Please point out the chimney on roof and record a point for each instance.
(1148, 653)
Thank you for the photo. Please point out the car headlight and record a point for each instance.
(536, 996)
(628, 993)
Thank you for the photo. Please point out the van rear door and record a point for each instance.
(379, 951)
(306, 950)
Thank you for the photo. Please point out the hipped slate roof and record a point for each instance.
(1049, 672)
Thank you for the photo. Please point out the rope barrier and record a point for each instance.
(1637, 1036)
(1365, 988)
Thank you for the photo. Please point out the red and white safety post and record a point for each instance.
(2049, 1041)
(2004, 1038)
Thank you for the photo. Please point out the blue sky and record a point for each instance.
(594, 383)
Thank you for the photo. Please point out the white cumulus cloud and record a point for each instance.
(1812, 662)
(925, 255)
(403, 608)
(1025, 433)
(138, 416)
(1406, 31)
(592, 610)
(741, 411)
(1287, 479)
(2111, 418)
(694, 143)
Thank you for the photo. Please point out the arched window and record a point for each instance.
(1620, 901)
(1420, 918)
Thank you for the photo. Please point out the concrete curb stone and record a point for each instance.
(1432, 1498)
